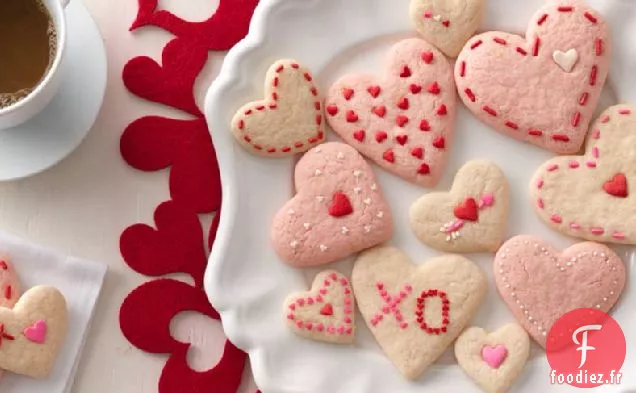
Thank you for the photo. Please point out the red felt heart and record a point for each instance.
(340, 205)
(153, 143)
(172, 82)
(327, 310)
(467, 210)
(617, 186)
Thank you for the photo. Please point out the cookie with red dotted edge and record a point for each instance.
(339, 209)
(404, 119)
(289, 120)
(472, 217)
(10, 288)
(326, 313)
(593, 196)
(542, 88)
(447, 24)
(540, 284)
(416, 312)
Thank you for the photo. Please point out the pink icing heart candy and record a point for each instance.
(544, 88)
(403, 120)
(36, 332)
(494, 356)
(339, 209)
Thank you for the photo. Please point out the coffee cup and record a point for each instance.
(41, 94)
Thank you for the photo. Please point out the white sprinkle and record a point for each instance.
(598, 306)
(507, 285)
(291, 212)
(442, 230)
(448, 238)
(374, 187)
(320, 198)
(318, 149)
(357, 190)
(340, 156)
(612, 293)
(604, 299)
(595, 253)
(569, 264)
(367, 201)
(518, 301)
(380, 214)
(540, 329)
(529, 318)
(536, 245)
(526, 242)
(543, 249)
(526, 312)
(357, 173)
(318, 172)
(294, 244)
(345, 230)
(507, 250)
(503, 256)
(367, 228)
(323, 248)
(437, 18)
(500, 271)
(603, 254)
(513, 294)
(307, 225)
(522, 307)
(573, 259)
(544, 333)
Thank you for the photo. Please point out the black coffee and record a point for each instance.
(28, 43)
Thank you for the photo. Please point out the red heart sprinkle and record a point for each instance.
(424, 126)
(379, 110)
(418, 152)
(347, 93)
(442, 110)
(374, 91)
(401, 139)
(427, 57)
(406, 72)
(340, 205)
(352, 117)
(389, 156)
(467, 210)
(617, 186)
(327, 310)
(424, 169)
(332, 110)
(439, 142)
(433, 88)
(401, 120)
(415, 89)
(359, 135)
(381, 136)
(446, 23)
(403, 103)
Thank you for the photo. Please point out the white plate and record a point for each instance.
(43, 141)
(246, 281)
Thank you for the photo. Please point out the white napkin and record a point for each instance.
(80, 281)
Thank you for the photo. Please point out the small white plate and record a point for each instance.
(53, 134)
(248, 283)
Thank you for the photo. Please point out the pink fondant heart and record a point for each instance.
(494, 356)
(404, 120)
(520, 86)
(308, 232)
(36, 332)
(540, 285)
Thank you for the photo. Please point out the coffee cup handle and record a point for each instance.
(64, 3)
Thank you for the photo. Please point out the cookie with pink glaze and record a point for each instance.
(542, 88)
(325, 313)
(339, 209)
(404, 119)
(541, 284)
(592, 196)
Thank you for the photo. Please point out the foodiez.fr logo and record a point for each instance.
(586, 348)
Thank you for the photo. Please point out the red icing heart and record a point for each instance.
(413, 104)
(340, 205)
(617, 186)
(467, 210)
(519, 87)
(327, 309)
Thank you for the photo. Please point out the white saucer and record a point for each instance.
(52, 135)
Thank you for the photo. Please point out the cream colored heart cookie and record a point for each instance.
(447, 24)
(326, 313)
(414, 312)
(288, 120)
(494, 361)
(32, 334)
(472, 217)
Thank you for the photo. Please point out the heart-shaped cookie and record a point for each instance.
(403, 120)
(32, 333)
(540, 285)
(289, 120)
(447, 24)
(339, 209)
(326, 313)
(471, 217)
(543, 88)
(494, 361)
(590, 196)
(414, 312)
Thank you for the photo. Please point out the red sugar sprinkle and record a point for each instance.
(590, 17)
(424, 169)
(593, 75)
(576, 119)
(434, 88)
(295, 66)
(7, 292)
(381, 136)
(280, 68)
(247, 138)
(446, 23)
(441, 111)
(540, 203)
(427, 57)
(462, 69)
(273, 149)
(561, 138)
(476, 44)
(470, 94)
(241, 124)
(537, 44)
(597, 231)
(521, 50)
(286, 149)
(347, 93)
(276, 82)
(425, 126)
(374, 91)
(275, 96)
(499, 41)
(556, 219)
(314, 91)
(428, 14)
(308, 77)
(3, 265)
(389, 156)
(583, 99)
(565, 9)
(542, 19)
(624, 111)
(401, 120)
(599, 46)
(535, 132)
(489, 110)
(258, 147)
(406, 72)
(512, 125)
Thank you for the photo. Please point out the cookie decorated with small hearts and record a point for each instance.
(540, 284)
(494, 361)
(326, 313)
(339, 209)
(416, 312)
(289, 120)
(542, 88)
(447, 24)
(403, 120)
(471, 217)
(592, 196)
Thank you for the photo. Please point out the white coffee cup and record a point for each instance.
(42, 94)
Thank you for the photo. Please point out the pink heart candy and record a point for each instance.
(494, 356)
(36, 332)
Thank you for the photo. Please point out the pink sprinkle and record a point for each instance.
(409, 288)
(591, 164)
(299, 324)
(624, 111)
(574, 164)
(327, 283)
(595, 152)
(384, 293)
(290, 317)
(379, 285)
(320, 327)
(292, 306)
(605, 119)
(597, 231)
(334, 276)
(347, 291)
(344, 281)
(575, 226)
(404, 325)
(300, 302)
(348, 310)
(341, 330)
(347, 300)
(347, 320)
(540, 184)
(319, 299)
(618, 235)
(349, 331)
(386, 309)
(309, 326)
(428, 14)
(323, 291)
(399, 318)
(596, 134)
(389, 298)
(310, 301)
(553, 168)
(556, 219)
(331, 330)
(403, 294)
(487, 200)
(374, 322)
(540, 203)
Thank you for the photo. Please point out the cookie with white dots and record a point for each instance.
(339, 209)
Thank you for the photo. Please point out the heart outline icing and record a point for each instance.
(403, 120)
(305, 232)
(589, 196)
(513, 84)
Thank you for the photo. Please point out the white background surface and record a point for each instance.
(81, 206)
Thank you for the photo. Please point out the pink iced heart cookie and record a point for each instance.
(416, 312)
(593, 196)
(403, 120)
(339, 209)
(540, 284)
(447, 24)
(289, 120)
(326, 313)
(543, 88)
